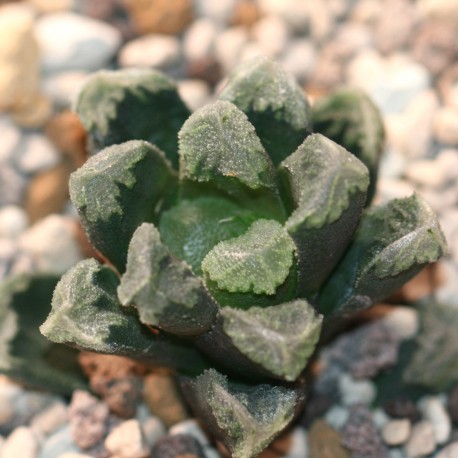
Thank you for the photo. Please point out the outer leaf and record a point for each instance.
(219, 148)
(351, 119)
(25, 355)
(393, 243)
(275, 341)
(165, 291)
(118, 189)
(435, 361)
(245, 417)
(193, 227)
(327, 186)
(140, 104)
(86, 314)
(273, 102)
(257, 261)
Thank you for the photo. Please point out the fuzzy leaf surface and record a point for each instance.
(393, 243)
(351, 119)
(86, 314)
(132, 104)
(273, 102)
(327, 187)
(220, 150)
(258, 261)
(25, 355)
(245, 417)
(118, 189)
(192, 228)
(164, 290)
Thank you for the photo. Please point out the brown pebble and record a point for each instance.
(163, 398)
(246, 13)
(325, 442)
(48, 192)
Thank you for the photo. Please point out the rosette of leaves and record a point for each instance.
(219, 268)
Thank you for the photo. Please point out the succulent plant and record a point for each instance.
(227, 268)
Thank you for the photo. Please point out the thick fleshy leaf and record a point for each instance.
(258, 261)
(25, 355)
(274, 341)
(164, 290)
(193, 227)
(132, 104)
(118, 189)
(393, 243)
(351, 119)
(434, 364)
(274, 103)
(220, 152)
(244, 417)
(86, 314)
(327, 186)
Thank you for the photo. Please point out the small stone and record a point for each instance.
(51, 6)
(12, 185)
(153, 429)
(272, 35)
(63, 87)
(178, 445)
(11, 136)
(426, 173)
(325, 442)
(388, 189)
(337, 416)
(199, 39)
(299, 444)
(246, 13)
(58, 443)
(159, 16)
(380, 418)
(422, 441)
(13, 221)
(52, 243)
(88, 419)
(49, 420)
(83, 44)
(191, 428)
(127, 441)
(452, 404)
(360, 436)
(446, 126)
(163, 398)
(403, 322)
(73, 455)
(396, 432)
(402, 408)
(195, 93)
(299, 59)
(221, 11)
(157, 51)
(20, 443)
(450, 451)
(37, 154)
(229, 45)
(434, 411)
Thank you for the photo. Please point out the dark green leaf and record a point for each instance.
(351, 119)
(86, 314)
(219, 148)
(245, 417)
(193, 227)
(327, 186)
(273, 102)
(393, 243)
(132, 104)
(118, 189)
(165, 291)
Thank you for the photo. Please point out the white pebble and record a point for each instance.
(199, 39)
(229, 45)
(396, 432)
(426, 173)
(195, 93)
(50, 419)
(52, 243)
(337, 416)
(450, 451)
(192, 428)
(422, 441)
(403, 322)
(299, 444)
(272, 35)
(21, 443)
(210, 452)
(127, 441)
(219, 11)
(73, 455)
(10, 136)
(434, 411)
(356, 391)
(36, 154)
(300, 58)
(155, 50)
(380, 418)
(446, 126)
(13, 220)
(153, 429)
